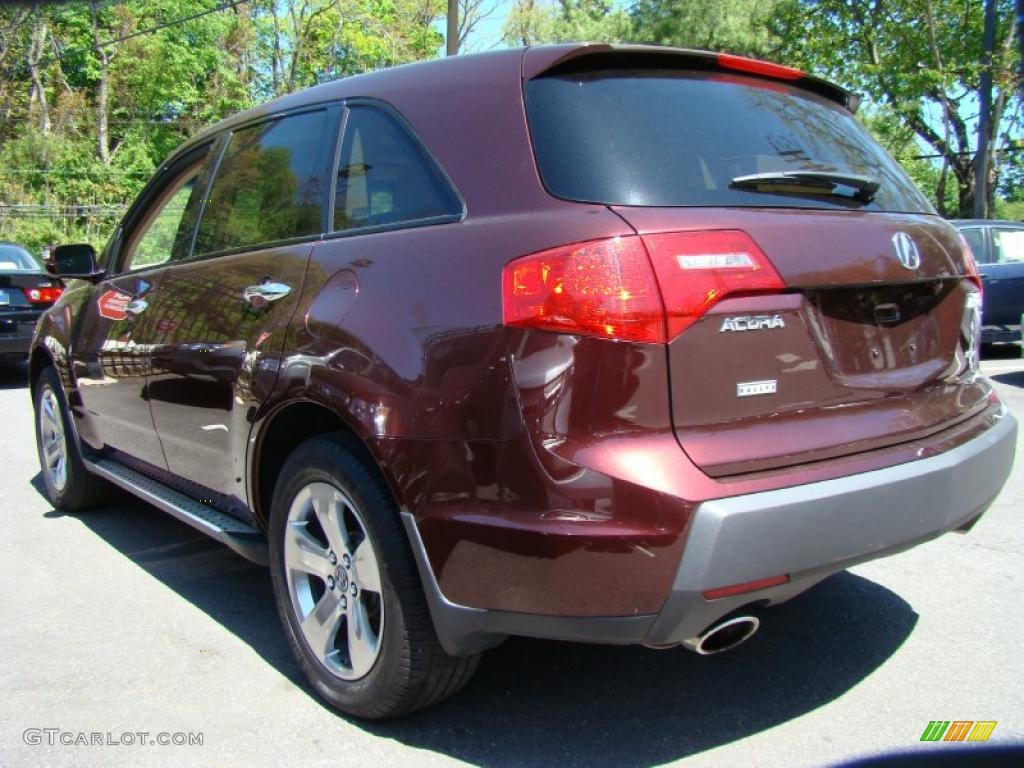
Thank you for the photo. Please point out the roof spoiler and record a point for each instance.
(563, 59)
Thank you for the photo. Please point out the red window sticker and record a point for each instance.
(112, 304)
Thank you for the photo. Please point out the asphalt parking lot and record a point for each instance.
(124, 621)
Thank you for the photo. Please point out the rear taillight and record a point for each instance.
(44, 294)
(599, 288)
(608, 287)
(696, 270)
(970, 264)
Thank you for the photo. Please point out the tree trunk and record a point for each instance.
(984, 154)
(965, 191)
(35, 53)
(940, 191)
(275, 63)
(102, 132)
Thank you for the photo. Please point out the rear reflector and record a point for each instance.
(696, 270)
(756, 67)
(45, 294)
(648, 288)
(600, 288)
(748, 586)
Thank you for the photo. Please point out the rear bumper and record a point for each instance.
(812, 531)
(16, 344)
(807, 532)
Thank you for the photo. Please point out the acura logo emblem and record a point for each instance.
(906, 250)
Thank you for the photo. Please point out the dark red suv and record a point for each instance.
(608, 344)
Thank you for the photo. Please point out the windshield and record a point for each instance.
(674, 138)
(17, 259)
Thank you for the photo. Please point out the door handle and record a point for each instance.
(136, 307)
(259, 296)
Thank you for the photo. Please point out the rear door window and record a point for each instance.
(269, 185)
(1008, 245)
(653, 137)
(385, 178)
(17, 259)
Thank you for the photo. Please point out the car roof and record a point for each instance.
(468, 109)
(986, 222)
(447, 77)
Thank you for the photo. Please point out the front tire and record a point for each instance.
(69, 485)
(347, 588)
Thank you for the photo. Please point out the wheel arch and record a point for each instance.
(38, 359)
(281, 431)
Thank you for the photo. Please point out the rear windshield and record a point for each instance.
(674, 138)
(16, 258)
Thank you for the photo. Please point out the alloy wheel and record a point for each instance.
(334, 580)
(52, 441)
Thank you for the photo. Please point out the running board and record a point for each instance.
(241, 537)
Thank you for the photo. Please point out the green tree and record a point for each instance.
(738, 26)
(530, 22)
(922, 60)
(94, 94)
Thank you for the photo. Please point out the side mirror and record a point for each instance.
(74, 261)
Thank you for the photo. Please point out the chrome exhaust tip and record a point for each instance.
(723, 636)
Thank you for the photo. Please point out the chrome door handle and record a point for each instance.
(136, 307)
(262, 294)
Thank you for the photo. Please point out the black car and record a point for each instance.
(25, 291)
(998, 248)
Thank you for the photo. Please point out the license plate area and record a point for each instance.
(874, 336)
(5, 297)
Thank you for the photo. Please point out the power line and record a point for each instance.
(138, 33)
(173, 23)
(967, 154)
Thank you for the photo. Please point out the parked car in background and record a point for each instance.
(26, 290)
(998, 248)
(596, 343)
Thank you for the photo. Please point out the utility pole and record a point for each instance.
(453, 27)
(985, 116)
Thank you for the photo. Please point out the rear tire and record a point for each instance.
(347, 588)
(69, 485)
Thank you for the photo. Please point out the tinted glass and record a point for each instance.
(269, 185)
(660, 137)
(975, 237)
(17, 259)
(384, 177)
(1008, 245)
(165, 230)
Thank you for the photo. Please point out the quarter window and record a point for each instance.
(269, 185)
(384, 177)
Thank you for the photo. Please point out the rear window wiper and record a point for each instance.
(864, 187)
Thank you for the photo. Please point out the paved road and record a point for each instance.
(124, 620)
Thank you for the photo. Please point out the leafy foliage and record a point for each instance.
(95, 93)
(737, 26)
(922, 60)
(84, 124)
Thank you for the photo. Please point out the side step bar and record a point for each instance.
(242, 538)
